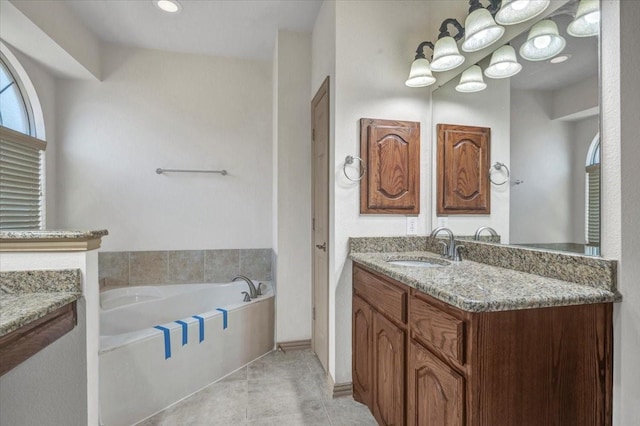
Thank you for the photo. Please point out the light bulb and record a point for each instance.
(542, 42)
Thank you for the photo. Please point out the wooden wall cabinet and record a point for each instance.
(463, 170)
(391, 153)
(531, 367)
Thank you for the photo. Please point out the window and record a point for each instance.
(21, 156)
(592, 198)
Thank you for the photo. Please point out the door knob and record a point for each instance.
(322, 246)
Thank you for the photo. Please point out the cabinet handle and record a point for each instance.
(322, 246)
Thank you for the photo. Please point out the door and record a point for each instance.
(435, 391)
(362, 339)
(388, 372)
(320, 222)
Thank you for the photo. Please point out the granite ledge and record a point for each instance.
(51, 235)
(476, 287)
(21, 309)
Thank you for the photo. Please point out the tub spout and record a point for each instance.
(253, 292)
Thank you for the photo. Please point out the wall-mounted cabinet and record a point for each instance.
(463, 170)
(390, 151)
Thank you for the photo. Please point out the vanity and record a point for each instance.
(468, 343)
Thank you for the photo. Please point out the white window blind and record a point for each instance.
(593, 205)
(20, 180)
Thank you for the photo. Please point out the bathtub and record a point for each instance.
(145, 369)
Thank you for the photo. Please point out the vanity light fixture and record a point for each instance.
(515, 12)
(481, 30)
(420, 74)
(503, 64)
(471, 80)
(446, 55)
(587, 21)
(544, 42)
(169, 6)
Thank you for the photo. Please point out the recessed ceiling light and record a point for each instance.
(170, 6)
(560, 59)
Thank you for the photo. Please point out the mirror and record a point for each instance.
(545, 127)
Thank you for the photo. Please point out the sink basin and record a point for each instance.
(418, 263)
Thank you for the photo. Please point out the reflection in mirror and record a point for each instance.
(545, 126)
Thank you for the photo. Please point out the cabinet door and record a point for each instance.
(435, 391)
(391, 152)
(388, 372)
(463, 170)
(362, 362)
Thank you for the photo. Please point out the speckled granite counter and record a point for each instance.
(26, 296)
(50, 240)
(476, 287)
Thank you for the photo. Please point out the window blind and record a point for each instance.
(20, 180)
(593, 204)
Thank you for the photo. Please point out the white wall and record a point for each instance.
(375, 45)
(292, 173)
(541, 156)
(489, 108)
(576, 100)
(621, 198)
(159, 109)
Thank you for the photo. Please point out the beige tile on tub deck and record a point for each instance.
(185, 266)
(148, 267)
(220, 266)
(256, 263)
(113, 268)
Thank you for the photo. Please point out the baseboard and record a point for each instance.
(294, 345)
(336, 390)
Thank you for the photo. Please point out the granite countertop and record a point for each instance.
(26, 296)
(477, 287)
(46, 234)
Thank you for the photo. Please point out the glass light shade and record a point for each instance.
(420, 74)
(515, 12)
(471, 80)
(544, 42)
(587, 22)
(446, 55)
(480, 31)
(503, 63)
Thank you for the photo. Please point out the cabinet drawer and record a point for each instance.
(438, 330)
(386, 298)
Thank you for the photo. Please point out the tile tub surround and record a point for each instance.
(580, 269)
(281, 388)
(183, 266)
(476, 287)
(26, 296)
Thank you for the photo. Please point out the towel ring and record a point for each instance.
(349, 159)
(498, 166)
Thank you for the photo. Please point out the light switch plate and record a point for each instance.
(412, 225)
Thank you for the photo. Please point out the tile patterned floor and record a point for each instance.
(280, 388)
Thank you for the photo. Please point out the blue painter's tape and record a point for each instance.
(167, 340)
(185, 331)
(201, 321)
(224, 317)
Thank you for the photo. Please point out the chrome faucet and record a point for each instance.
(253, 292)
(451, 250)
(485, 228)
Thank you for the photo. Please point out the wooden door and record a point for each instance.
(362, 345)
(388, 372)
(391, 152)
(320, 223)
(463, 170)
(435, 391)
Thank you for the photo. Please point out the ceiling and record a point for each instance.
(233, 28)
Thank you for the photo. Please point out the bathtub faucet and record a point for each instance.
(253, 292)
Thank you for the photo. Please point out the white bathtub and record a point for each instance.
(142, 373)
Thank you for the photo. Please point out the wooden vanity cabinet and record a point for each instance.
(442, 366)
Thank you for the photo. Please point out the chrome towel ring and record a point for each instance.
(349, 159)
(499, 166)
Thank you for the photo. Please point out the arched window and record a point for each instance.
(21, 155)
(592, 198)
